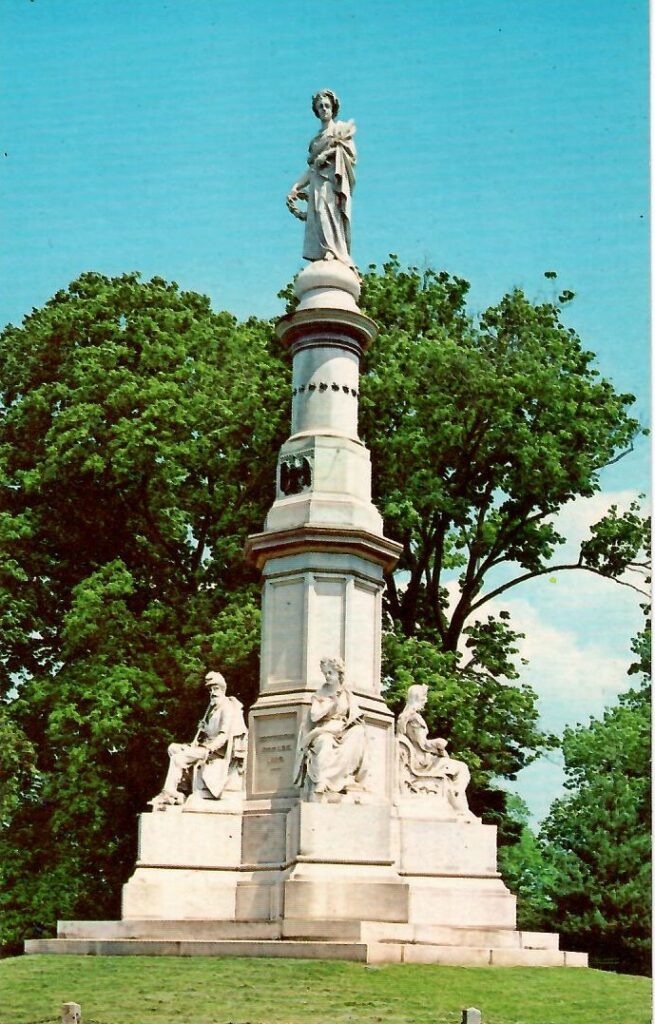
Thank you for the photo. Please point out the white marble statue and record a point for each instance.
(327, 185)
(424, 766)
(332, 747)
(215, 758)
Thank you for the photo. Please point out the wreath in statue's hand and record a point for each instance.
(291, 205)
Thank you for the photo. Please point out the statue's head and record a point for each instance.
(326, 94)
(215, 681)
(333, 665)
(440, 746)
(417, 695)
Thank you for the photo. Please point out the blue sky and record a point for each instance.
(497, 140)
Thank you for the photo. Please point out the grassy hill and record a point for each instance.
(206, 990)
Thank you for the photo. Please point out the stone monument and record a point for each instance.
(350, 840)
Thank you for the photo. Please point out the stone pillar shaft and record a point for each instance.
(325, 389)
(322, 552)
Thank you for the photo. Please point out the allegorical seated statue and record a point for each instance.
(332, 747)
(424, 766)
(327, 185)
(212, 765)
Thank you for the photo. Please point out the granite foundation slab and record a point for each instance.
(374, 952)
(173, 929)
(186, 947)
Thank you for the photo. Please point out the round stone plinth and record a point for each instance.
(327, 284)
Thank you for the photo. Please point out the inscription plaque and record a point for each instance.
(274, 752)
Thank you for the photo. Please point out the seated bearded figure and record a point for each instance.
(212, 765)
(424, 766)
(331, 756)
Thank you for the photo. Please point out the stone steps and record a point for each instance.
(174, 929)
(200, 947)
(442, 935)
(470, 956)
(373, 942)
(311, 930)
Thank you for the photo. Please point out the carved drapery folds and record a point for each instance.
(425, 769)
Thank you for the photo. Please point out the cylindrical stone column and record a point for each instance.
(322, 551)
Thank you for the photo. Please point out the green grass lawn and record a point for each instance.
(212, 990)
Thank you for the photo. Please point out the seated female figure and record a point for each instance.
(332, 748)
(424, 766)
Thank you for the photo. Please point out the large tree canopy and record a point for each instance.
(138, 436)
(480, 432)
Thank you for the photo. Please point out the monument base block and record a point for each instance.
(188, 865)
(376, 883)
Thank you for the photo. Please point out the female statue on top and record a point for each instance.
(327, 185)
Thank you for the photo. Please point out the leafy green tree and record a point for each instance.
(490, 720)
(599, 834)
(480, 432)
(137, 430)
(527, 871)
(17, 766)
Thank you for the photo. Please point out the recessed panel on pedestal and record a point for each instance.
(327, 623)
(379, 738)
(363, 636)
(284, 636)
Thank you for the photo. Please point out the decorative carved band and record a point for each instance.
(324, 386)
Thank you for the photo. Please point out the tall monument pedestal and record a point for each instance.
(304, 868)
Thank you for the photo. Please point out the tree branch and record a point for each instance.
(618, 457)
(547, 571)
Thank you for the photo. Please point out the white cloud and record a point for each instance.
(574, 673)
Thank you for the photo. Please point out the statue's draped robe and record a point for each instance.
(227, 720)
(329, 192)
(423, 770)
(333, 745)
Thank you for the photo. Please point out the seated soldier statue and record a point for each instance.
(213, 764)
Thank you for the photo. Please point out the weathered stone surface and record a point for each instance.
(459, 956)
(71, 1013)
(337, 897)
(433, 846)
(539, 940)
(163, 947)
(341, 833)
(527, 958)
(182, 893)
(372, 951)
(576, 959)
(180, 839)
